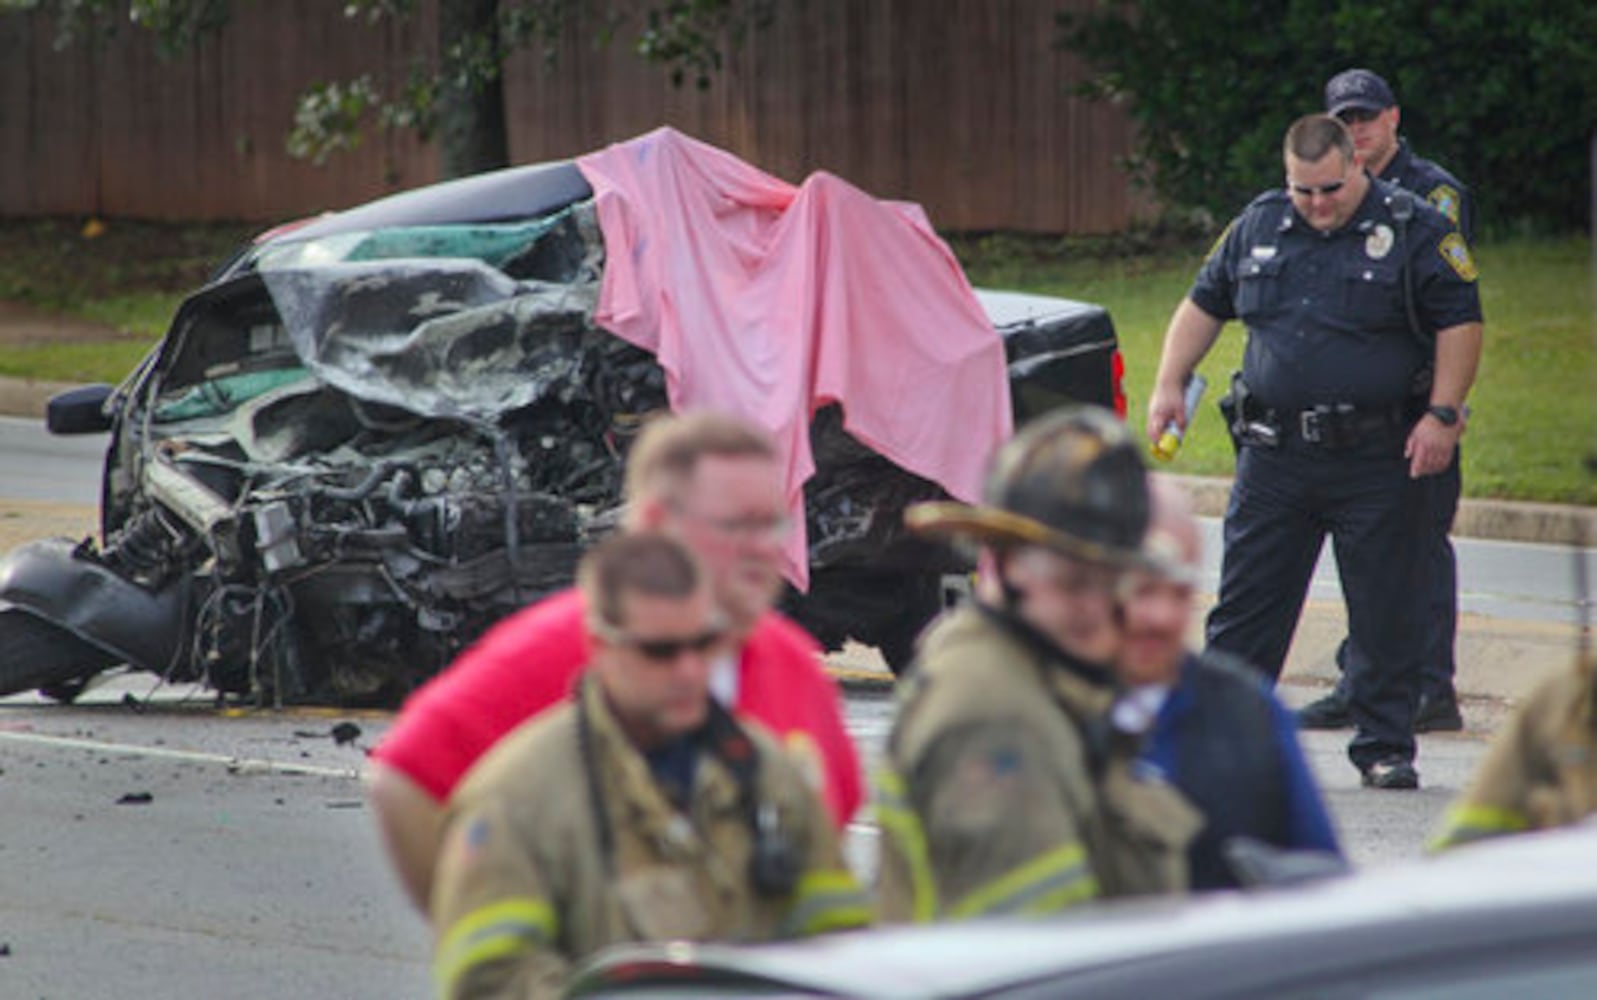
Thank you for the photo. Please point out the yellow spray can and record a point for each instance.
(1170, 441)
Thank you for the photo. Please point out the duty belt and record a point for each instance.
(1342, 425)
(1332, 426)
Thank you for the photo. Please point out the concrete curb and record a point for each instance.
(1500, 520)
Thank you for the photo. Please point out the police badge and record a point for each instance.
(1379, 243)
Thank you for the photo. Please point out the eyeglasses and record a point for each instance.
(1358, 116)
(662, 650)
(752, 527)
(1310, 190)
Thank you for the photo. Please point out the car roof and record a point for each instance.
(525, 192)
(1492, 891)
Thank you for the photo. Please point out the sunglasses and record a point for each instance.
(663, 650)
(1310, 190)
(1358, 116)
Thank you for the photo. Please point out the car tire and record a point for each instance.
(887, 609)
(894, 636)
(36, 654)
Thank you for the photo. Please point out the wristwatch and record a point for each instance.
(1447, 415)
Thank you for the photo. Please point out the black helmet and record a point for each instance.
(1071, 480)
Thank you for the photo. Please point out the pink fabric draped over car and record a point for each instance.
(770, 301)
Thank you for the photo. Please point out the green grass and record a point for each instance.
(1534, 406)
(108, 361)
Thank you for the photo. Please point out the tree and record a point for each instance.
(456, 96)
(1501, 92)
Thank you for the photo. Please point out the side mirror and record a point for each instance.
(79, 411)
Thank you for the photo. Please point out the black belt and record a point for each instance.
(1341, 425)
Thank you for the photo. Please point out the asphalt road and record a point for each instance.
(179, 850)
(35, 465)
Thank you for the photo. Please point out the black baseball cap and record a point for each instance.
(1357, 88)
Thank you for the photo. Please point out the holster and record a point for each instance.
(1228, 409)
(1246, 419)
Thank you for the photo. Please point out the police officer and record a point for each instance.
(640, 811)
(1334, 436)
(1364, 103)
(1005, 788)
(1541, 769)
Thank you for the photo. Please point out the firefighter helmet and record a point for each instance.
(1071, 480)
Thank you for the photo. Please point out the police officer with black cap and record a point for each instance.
(1365, 104)
(1334, 432)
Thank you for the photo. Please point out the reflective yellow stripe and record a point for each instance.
(827, 900)
(898, 821)
(1467, 823)
(496, 931)
(1051, 881)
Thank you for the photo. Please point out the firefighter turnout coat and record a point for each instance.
(1541, 769)
(532, 877)
(1006, 791)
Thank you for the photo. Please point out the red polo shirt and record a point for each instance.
(531, 660)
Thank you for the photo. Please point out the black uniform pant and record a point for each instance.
(1438, 663)
(1284, 501)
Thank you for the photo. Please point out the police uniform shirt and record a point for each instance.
(1325, 312)
(1433, 183)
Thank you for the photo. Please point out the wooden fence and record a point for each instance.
(962, 105)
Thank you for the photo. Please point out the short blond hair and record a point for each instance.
(642, 562)
(669, 450)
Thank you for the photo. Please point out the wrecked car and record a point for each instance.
(370, 436)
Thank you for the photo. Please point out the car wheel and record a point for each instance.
(37, 654)
(882, 608)
(894, 636)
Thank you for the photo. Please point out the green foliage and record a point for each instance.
(1488, 88)
(475, 38)
(685, 35)
(328, 118)
(174, 23)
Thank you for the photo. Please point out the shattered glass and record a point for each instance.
(452, 337)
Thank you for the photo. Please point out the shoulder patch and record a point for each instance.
(1445, 198)
(1456, 252)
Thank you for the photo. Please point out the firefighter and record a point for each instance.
(641, 810)
(1005, 788)
(1541, 771)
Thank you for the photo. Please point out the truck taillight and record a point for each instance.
(1117, 375)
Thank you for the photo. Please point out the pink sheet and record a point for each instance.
(770, 301)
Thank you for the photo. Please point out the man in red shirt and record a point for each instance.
(713, 483)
